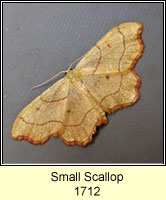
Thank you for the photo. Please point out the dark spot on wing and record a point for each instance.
(108, 45)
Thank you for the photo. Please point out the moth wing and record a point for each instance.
(107, 68)
(118, 50)
(113, 90)
(81, 117)
(44, 116)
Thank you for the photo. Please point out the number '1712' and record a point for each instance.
(92, 191)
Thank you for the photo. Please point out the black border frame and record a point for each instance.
(81, 164)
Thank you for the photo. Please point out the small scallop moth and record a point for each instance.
(102, 81)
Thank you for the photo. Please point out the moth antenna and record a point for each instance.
(73, 63)
(39, 85)
(52, 78)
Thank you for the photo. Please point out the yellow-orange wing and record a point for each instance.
(107, 68)
(44, 116)
(62, 110)
(81, 119)
(102, 81)
(118, 50)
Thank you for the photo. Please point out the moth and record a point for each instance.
(102, 82)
